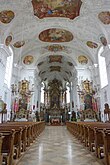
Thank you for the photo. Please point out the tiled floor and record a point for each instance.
(56, 146)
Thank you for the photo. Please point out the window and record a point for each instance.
(8, 71)
(102, 69)
(42, 93)
(68, 93)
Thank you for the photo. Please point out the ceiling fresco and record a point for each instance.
(56, 48)
(55, 68)
(19, 44)
(6, 16)
(91, 44)
(56, 58)
(56, 35)
(82, 60)
(103, 40)
(28, 60)
(104, 17)
(8, 40)
(56, 8)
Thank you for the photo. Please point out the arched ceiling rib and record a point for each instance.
(90, 30)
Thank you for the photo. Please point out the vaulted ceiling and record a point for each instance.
(55, 36)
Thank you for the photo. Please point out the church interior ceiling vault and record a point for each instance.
(55, 37)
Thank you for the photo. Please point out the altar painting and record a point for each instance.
(56, 58)
(56, 8)
(88, 101)
(6, 16)
(55, 35)
(55, 68)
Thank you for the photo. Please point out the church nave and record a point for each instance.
(57, 146)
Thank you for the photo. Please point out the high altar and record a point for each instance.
(54, 99)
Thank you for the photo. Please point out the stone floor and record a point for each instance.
(56, 146)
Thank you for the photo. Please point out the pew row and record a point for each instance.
(95, 136)
(15, 137)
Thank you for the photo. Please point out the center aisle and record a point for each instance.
(56, 146)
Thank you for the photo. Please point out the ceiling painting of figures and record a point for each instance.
(8, 40)
(103, 40)
(55, 58)
(56, 35)
(6, 16)
(56, 8)
(55, 48)
(104, 17)
(19, 44)
(91, 44)
(82, 59)
(55, 68)
(28, 60)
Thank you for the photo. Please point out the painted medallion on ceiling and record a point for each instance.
(56, 8)
(6, 16)
(55, 68)
(28, 60)
(104, 17)
(56, 58)
(82, 60)
(8, 40)
(91, 44)
(56, 35)
(18, 44)
(103, 40)
(55, 48)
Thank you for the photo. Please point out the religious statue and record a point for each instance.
(106, 112)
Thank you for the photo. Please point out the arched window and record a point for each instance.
(68, 92)
(8, 71)
(42, 93)
(102, 69)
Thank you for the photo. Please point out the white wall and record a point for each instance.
(5, 93)
(83, 74)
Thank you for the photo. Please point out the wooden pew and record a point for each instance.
(8, 146)
(17, 138)
(106, 139)
(1, 141)
(93, 135)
